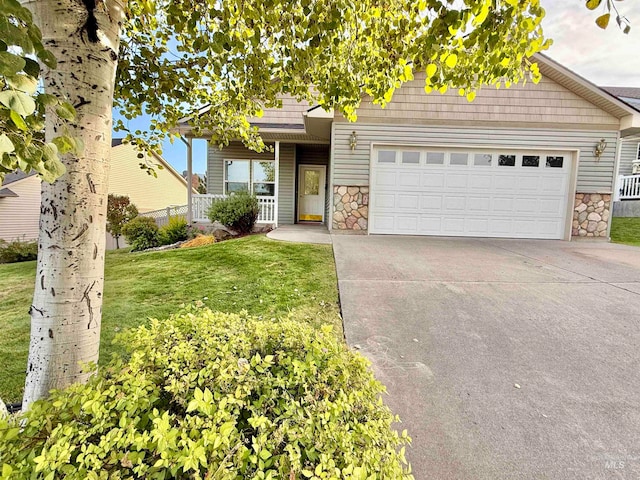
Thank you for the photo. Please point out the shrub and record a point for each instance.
(141, 233)
(199, 241)
(18, 251)
(212, 395)
(174, 231)
(238, 212)
(120, 210)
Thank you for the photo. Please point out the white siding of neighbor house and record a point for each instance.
(545, 105)
(20, 216)
(145, 191)
(237, 151)
(628, 153)
(351, 167)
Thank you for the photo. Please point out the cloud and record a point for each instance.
(605, 57)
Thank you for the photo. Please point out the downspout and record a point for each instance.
(189, 144)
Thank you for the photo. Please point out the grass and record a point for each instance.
(267, 278)
(626, 230)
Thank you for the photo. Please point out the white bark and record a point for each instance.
(67, 304)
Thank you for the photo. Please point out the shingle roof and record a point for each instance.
(5, 192)
(15, 176)
(625, 92)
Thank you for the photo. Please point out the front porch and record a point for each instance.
(291, 182)
(202, 202)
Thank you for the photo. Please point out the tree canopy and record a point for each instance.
(236, 58)
(22, 106)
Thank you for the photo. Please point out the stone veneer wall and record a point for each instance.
(591, 215)
(350, 208)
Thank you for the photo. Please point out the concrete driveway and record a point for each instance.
(505, 359)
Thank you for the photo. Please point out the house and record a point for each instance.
(532, 161)
(630, 150)
(20, 192)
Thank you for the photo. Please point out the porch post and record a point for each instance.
(276, 190)
(189, 175)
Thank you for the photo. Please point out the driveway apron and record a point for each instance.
(505, 359)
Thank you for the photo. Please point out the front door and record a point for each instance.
(311, 185)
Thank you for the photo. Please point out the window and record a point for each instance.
(459, 159)
(386, 156)
(237, 175)
(255, 176)
(638, 155)
(530, 160)
(435, 158)
(264, 176)
(482, 159)
(311, 182)
(554, 162)
(412, 158)
(506, 160)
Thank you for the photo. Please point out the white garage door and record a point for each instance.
(464, 192)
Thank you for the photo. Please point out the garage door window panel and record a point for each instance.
(435, 158)
(506, 160)
(387, 157)
(411, 158)
(555, 162)
(482, 159)
(459, 159)
(531, 160)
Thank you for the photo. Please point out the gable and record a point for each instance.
(546, 104)
(145, 191)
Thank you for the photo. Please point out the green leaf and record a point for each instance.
(10, 64)
(47, 99)
(18, 121)
(54, 169)
(6, 145)
(451, 61)
(47, 58)
(32, 68)
(64, 144)
(603, 20)
(19, 102)
(593, 4)
(24, 83)
(65, 110)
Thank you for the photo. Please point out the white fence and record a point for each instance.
(163, 215)
(629, 187)
(202, 203)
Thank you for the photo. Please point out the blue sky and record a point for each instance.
(607, 58)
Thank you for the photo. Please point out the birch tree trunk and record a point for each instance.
(67, 303)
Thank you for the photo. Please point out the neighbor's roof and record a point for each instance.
(15, 177)
(624, 92)
(5, 192)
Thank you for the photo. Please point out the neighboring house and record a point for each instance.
(518, 162)
(20, 193)
(19, 206)
(630, 150)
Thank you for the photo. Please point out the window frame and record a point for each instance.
(251, 181)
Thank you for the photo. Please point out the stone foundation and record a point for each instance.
(350, 208)
(591, 215)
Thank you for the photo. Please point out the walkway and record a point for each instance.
(302, 233)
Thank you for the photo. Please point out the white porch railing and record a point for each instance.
(629, 187)
(202, 203)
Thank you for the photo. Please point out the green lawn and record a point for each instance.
(626, 230)
(265, 277)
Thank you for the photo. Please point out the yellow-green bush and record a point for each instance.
(212, 395)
